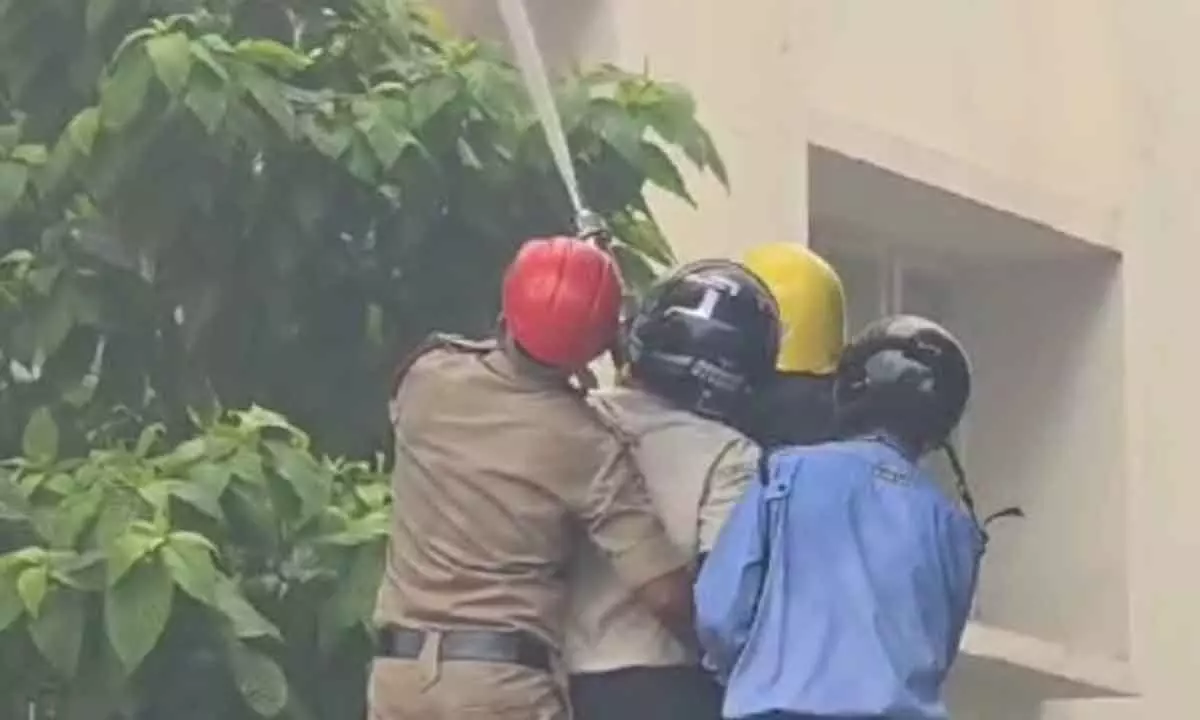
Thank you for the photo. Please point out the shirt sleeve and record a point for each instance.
(621, 522)
(962, 547)
(730, 581)
(734, 469)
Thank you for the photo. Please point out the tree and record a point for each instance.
(232, 575)
(227, 202)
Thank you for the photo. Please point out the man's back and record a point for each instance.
(498, 468)
(869, 575)
(695, 470)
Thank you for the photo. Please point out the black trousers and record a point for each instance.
(646, 693)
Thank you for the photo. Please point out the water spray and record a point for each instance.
(588, 225)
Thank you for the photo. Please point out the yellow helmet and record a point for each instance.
(812, 305)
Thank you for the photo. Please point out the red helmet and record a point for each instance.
(562, 301)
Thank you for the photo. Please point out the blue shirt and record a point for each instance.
(840, 587)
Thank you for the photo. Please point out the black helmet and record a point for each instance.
(704, 337)
(906, 376)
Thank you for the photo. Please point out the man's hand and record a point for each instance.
(669, 598)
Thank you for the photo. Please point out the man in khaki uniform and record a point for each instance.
(699, 345)
(501, 465)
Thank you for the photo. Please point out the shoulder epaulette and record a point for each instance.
(607, 418)
(458, 342)
(439, 341)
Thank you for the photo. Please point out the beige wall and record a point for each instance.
(1083, 115)
(1077, 114)
(744, 68)
(1026, 91)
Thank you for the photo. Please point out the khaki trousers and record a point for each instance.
(426, 689)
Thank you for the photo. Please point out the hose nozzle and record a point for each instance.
(591, 227)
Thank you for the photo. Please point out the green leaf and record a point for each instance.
(84, 571)
(211, 476)
(208, 100)
(184, 454)
(712, 158)
(66, 521)
(136, 611)
(30, 154)
(330, 142)
(361, 530)
(361, 162)
(83, 128)
(59, 166)
(40, 439)
(259, 418)
(247, 622)
(311, 483)
(428, 98)
(123, 93)
(191, 567)
(31, 586)
(171, 55)
(125, 552)
(150, 435)
(216, 43)
(387, 142)
(119, 510)
(268, 95)
(133, 40)
(272, 54)
(354, 598)
(644, 235)
(618, 129)
(634, 268)
(13, 179)
(202, 498)
(43, 278)
(14, 507)
(12, 606)
(662, 172)
(672, 110)
(204, 54)
(259, 679)
(57, 631)
(192, 539)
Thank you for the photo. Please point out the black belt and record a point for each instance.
(497, 646)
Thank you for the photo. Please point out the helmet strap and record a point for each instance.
(968, 500)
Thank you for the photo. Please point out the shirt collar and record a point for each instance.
(512, 364)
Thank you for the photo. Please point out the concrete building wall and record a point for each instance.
(1080, 116)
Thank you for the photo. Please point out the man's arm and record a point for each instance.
(962, 550)
(669, 598)
(621, 521)
(731, 473)
(727, 591)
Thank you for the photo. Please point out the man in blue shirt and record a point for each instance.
(841, 583)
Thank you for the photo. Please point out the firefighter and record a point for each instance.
(841, 584)
(500, 464)
(797, 407)
(697, 346)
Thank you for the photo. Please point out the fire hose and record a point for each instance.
(589, 225)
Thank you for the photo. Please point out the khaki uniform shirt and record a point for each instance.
(696, 470)
(501, 467)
